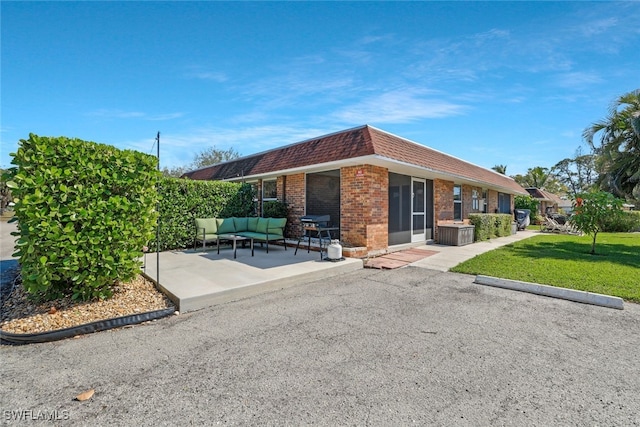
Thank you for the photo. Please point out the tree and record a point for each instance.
(213, 156)
(535, 177)
(591, 211)
(526, 202)
(577, 173)
(618, 152)
(204, 158)
(500, 169)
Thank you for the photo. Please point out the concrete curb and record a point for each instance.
(554, 292)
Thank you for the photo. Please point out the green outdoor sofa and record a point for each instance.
(263, 230)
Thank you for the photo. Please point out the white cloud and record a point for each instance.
(577, 79)
(196, 72)
(398, 106)
(120, 114)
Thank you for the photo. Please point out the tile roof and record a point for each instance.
(352, 143)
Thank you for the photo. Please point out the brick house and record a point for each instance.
(380, 189)
(547, 202)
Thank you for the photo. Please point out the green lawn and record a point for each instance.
(563, 260)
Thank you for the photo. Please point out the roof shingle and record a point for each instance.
(348, 144)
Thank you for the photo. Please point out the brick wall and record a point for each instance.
(443, 200)
(364, 206)
(280, 188)
(492, 203)
(295, 197)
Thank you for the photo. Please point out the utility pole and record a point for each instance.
(158, 211)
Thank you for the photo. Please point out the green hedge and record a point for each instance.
(183, 200)
(626, 222)
(84, 211)
(488, 226)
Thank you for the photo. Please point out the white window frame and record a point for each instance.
(457, 202)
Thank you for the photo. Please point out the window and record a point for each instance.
(475, 202)
(457, 203)
(504, 203)
(484, 201)
(269, 190)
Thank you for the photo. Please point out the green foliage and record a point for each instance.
(627, 221)
(5, 191)
(206, 157)
(578, 174)
(526, 202)
(488, 226)
(183, 200)
(84, 212)
(591, 211)
(618, 152)
(275, 209)
(500, 169)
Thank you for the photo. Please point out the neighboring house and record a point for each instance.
(549, 202)
(380, 189)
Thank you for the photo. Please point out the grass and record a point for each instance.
(564, 261)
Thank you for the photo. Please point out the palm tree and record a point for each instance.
(500, 169)
(618, 153)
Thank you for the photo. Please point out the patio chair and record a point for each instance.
(550, 225)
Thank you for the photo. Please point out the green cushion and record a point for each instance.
(262, 225)
(241, 224)
(253, 235)
(226, 226)
(209, 224)
(261, 236)
(252, 223)
(276, 225)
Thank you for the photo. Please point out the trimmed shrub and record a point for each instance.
(488, 226)
(627, 221)
(84, 212)
(183, 200)
(275, 209)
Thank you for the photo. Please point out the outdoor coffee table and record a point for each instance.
(233, 238)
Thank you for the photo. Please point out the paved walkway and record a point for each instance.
(450, 256)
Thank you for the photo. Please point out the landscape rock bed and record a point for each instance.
(20, 315)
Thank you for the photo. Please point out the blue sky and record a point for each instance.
(512, 83)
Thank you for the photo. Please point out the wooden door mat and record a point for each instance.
(398, 259)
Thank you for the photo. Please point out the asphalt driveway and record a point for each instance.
(367, 348)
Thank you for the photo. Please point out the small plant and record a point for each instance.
(592, 211)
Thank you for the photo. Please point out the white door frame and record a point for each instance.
(418, 211)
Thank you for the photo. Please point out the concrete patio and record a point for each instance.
(198, 279)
